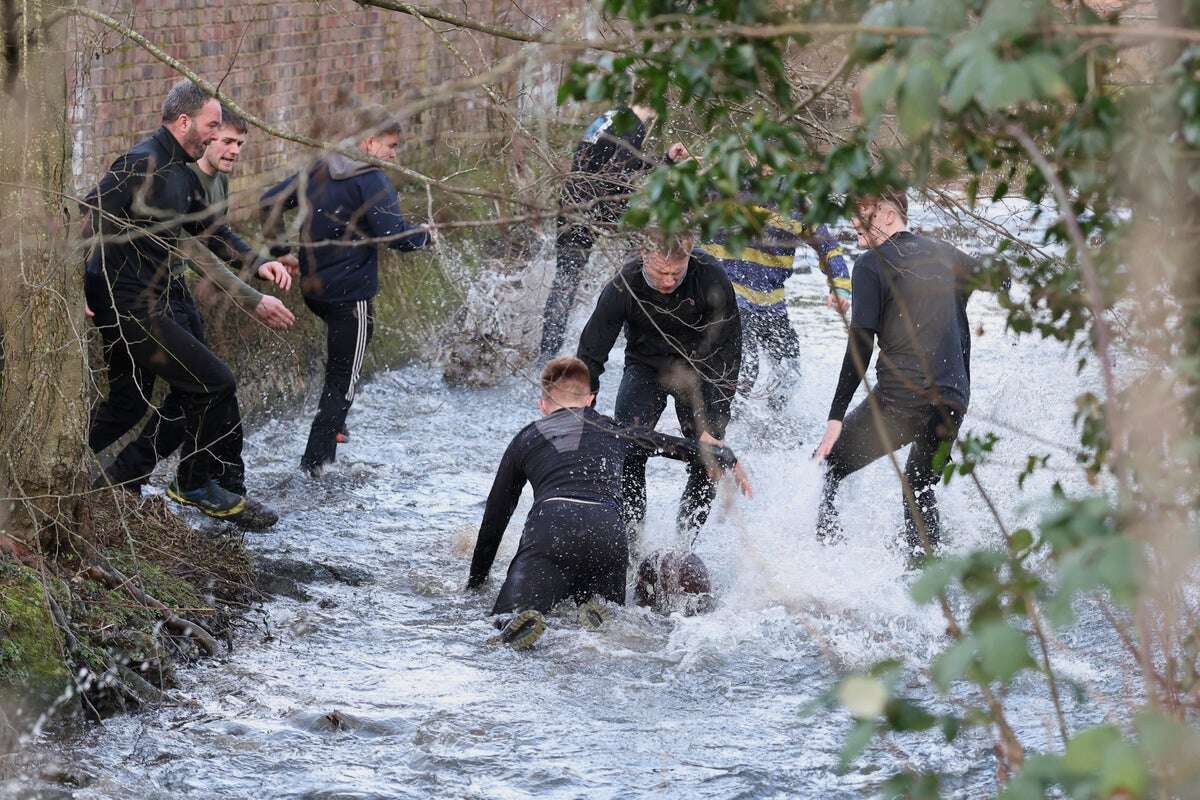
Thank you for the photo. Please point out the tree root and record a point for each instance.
(112, 577)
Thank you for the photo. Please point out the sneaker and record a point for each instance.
(593, 614)
(521, 631)
(210, 498)
(342, 436)
(256, 516)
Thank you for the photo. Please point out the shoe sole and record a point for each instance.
(522, 631)
(592, 617)
(211, 512)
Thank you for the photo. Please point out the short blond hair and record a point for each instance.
(566, 378)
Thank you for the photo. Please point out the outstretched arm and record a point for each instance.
(383, 217)
(832, 259)
(281, 197)
(501, 502)
(601, 331)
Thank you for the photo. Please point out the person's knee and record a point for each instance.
(220, 382)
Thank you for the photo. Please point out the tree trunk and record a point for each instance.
(43, 413)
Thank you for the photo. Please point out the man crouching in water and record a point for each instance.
(574, 544)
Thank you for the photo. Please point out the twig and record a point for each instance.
(113, 578)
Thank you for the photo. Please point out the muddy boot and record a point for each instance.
(522, 631)
(593, 614)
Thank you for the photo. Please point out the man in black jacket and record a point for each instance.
(608, 158)
(573, 545)
(911, 292)
(683, 340)
(142, 206)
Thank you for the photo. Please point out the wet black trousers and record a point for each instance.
(200, 413)
(641, 401)
(569, 550)
(768, 330)
(349, 327)
(867, 436)
(574, 243)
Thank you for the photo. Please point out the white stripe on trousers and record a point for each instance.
(360, 346)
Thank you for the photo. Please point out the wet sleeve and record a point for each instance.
(601, 331)
(859, 346)
(973, 274)
(723, 360)
(501, 502)
(207, 265)
(832, 259)
(680, 449)
(281, 197)
(382, 214)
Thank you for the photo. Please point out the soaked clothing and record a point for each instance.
(603, 166)
(344, 204)
(573, 544)
(144, 204)
(685, 345)
(912, 293)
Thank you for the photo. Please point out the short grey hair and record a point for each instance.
(185, 97)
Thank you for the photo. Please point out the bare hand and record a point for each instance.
(742, 480)
(833, 429)
(291, 262)
(838, 303)
(271, 312)
(87, 311)
(715, 472)
(678, 152)
(277, 273)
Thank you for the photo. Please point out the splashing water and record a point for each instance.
(390, 692)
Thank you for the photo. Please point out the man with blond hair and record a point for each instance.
(573, 545)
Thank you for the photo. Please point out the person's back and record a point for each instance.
(574, 453)
(924, 336)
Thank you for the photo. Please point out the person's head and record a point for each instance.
(223, 151)
(878, 217)
(566, 383)
(665, 259)
(378, 132)
(192, 116)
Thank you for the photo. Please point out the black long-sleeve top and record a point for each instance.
(576, 453)
(148, 198)
(696, 328)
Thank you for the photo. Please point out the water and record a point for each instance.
(390, 691)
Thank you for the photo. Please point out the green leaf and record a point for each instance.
(1003, 651)
(918, 103)
(935, 578)
(952, 664)
(1087, 749)
(950, 727)
(1046, 72)
(881, 82)
(1124, 772)
(905, 715)
(969, 80)
(1006, 85)
(855, 743)
(1022, 539)
(864, 697)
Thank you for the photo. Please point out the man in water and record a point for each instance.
(593, 199)
(147, 200)
(682, 340)
(758, 273)
(574, 544)
(349, 208)
(911, 292)
(163, 434)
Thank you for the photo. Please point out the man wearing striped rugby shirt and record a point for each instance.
(758, 273)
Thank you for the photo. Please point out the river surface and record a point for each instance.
(713, 706)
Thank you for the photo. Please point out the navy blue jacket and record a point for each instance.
(348, 209)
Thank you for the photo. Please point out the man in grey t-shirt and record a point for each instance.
(911, 292)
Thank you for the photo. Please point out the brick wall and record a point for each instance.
(286, 62)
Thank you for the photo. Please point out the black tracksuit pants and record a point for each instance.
(574, 244)
(641, 401)
(200, 412)
(569, 549)
(349, 327)
(867, 436)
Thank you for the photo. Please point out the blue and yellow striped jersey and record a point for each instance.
(765, 263)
